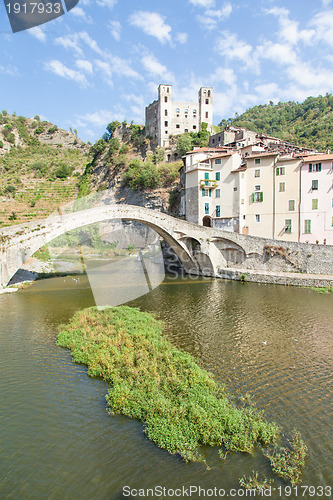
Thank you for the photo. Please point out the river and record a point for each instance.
(57, 440)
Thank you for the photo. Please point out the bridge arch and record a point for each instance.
(21, 245)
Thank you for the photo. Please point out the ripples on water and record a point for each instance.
(57, 440)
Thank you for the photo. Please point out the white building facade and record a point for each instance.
(165, 117)
(316, 209)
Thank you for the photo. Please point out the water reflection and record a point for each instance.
(57, 440)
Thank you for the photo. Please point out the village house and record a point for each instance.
(316, 208)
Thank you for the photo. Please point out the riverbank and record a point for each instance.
(278, 278)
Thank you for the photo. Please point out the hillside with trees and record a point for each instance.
(40, 166)
(309, 123)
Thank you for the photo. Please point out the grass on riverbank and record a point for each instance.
(181, 405)
(328, 289)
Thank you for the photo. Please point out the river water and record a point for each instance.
(57, 440)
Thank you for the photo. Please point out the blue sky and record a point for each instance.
(104, 60)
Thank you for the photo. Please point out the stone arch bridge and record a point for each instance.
(201, 250)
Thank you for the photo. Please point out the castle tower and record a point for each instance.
(205, 105)
(165, 113)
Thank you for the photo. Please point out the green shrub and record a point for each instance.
(1, 144)
(52, 129)
(149, 379)
(63, 171)
(10, 189)
(39, 130)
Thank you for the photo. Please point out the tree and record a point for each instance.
(112, 127)
(184, 144)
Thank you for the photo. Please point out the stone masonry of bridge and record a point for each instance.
(201, 250)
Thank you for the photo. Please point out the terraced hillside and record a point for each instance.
(40, 167)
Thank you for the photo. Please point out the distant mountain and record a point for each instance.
(309, 123)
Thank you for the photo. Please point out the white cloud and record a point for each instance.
(115, 29)
(9, 70)
(268, 92)
(211, 17)
(98, 119)
(71, 42)
(203, 3)
(122, 67)
(323, 23)
(230, 47)
(107, 3)
(38, 33)
(226, 75)
(84, 65)
(289, 31)
(152, 24)
(278, 53)
(90, 42)
(181, 37)
(154, 67)
(81, 14)
(105, 68)
(58, 68)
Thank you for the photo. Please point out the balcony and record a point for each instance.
(208, 183)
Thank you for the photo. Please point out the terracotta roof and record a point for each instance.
(259, 155)
(242, 168)
(320, 157)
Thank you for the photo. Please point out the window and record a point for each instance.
(217, 193)
(287, 226)
(186, 130)
(203, 192)
(165, 124)
(186, 113)
(206, 208)
(257, 216)
(177, 111)
(314, 167)
(194, 112)
(257, 197)
(314, 185)
(165, 112)
(208, 93)
(257, 161)
(307, 226)
(235, 189)
(177, 125)
(242, 201)
(218, 210)
(257, 172)
(166, 131)
(206, 114)
(282, 187)
(291, 205)
(218, 161)
(207, 101)
(280, 171)
(194, 127)
(217, 176)
(165, 99)
(210, 192)
(257, 188)
(314, 204)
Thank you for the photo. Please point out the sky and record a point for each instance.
(104, 60)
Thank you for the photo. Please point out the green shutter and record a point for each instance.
(314, 204)
(261, 196)
(217, 176)
(206, 175)
(252, 197)
(203, 192)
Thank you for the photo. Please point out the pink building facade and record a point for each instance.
(316, 207)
